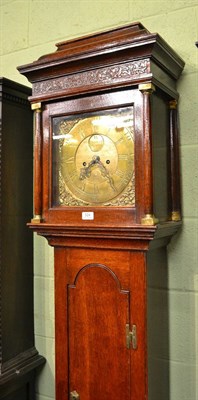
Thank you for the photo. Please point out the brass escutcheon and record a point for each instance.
(74, 395)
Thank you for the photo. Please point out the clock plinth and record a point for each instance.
(107, 198)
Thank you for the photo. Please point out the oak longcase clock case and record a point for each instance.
(107, 197)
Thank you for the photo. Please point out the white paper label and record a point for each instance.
(87, 215)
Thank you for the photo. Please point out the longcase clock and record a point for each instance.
(107, 198)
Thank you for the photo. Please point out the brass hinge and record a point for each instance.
(131, 337)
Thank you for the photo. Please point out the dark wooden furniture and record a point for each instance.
(107, 254)
(18, 356)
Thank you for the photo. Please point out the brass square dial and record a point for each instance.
(93, 159)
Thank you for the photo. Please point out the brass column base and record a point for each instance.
(175, 216)
(149, 219)
(36, 219)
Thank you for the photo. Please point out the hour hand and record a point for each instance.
(86, 171)
(96, 162)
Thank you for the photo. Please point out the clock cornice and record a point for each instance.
(123, 47)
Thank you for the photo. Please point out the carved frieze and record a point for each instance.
(102, 76)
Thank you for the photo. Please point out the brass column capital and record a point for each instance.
(173, 104)
(36, 107)
(146, 87)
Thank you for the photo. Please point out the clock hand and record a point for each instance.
(86, 171)
(105, 172)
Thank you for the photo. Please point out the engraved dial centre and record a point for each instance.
(96, 159)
